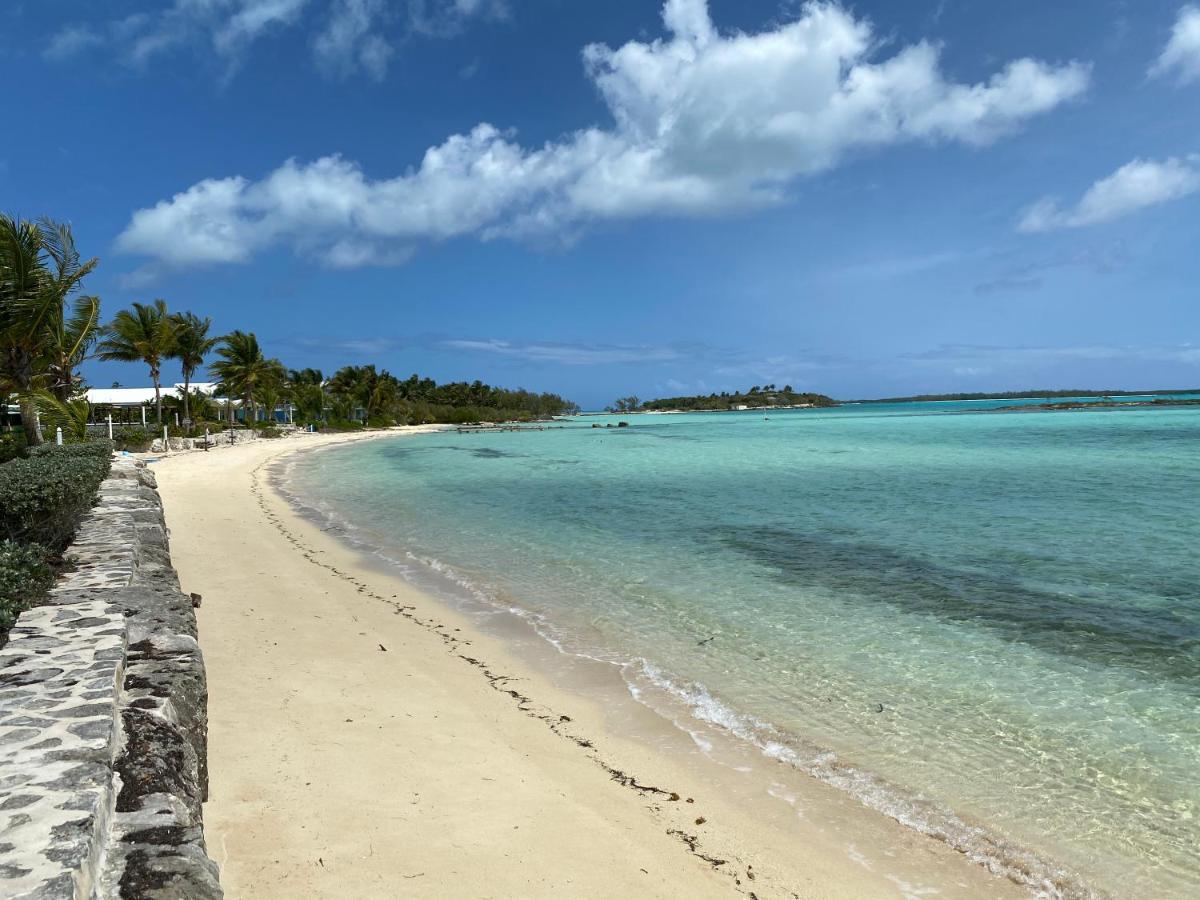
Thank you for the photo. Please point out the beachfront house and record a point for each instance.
(134, 406)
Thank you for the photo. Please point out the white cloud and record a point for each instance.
(445, 17)
(226, 27)
(1181, 57)
(351, 39)
(569, 354)
(988, 359)
(352, 33)
(70, 41)
(1134, 186)
(704, 123)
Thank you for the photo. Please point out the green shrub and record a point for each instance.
(12, 445)
(132, 438)
(25, 577)
(43, 498)
(98, 449)
(342, 425)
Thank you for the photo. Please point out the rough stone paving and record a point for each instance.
(103, 721)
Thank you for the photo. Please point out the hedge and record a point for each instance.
(43, 498)
(133, 439)
(25, 577)
(101, 449)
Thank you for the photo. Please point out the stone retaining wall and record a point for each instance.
(103, 721)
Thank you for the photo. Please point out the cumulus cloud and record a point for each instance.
(1181, 57)
(1134, 186)
(703, 123)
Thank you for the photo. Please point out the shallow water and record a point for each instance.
(997, 614)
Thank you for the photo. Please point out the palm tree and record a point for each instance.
(304, 386)
(25, 307)
(71, 416)
(147, 334)
(192, 344)
(242, 368)
(272, 387)
(71, 324)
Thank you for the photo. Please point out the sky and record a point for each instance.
(632, 197)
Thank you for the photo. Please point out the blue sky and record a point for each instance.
(627, 197)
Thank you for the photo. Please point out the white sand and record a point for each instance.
(340, 769)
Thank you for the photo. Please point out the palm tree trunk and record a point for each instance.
(21, 366)
(157, 394)
(30, 422)
(62, 390)
(187, 389)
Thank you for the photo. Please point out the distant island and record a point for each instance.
(758, 397)
(1107, 403)
(1023, 395)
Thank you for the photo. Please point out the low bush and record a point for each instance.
(342, 425)
(42, 498)
(25, 576)
(99, 449)
(133, 439)
(12, 445)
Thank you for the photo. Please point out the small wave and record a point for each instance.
(993, 852)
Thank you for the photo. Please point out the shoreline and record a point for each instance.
(816, 842)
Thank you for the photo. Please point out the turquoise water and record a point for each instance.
(1019, 592)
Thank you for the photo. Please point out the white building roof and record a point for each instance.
(138, 396)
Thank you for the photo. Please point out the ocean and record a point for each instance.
(985, 624)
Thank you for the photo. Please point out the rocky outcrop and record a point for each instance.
(103, 722)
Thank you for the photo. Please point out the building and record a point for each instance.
(130, 405)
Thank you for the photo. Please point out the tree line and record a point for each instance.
(759, 396)
(49, 327)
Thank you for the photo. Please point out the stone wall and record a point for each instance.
(103, 721)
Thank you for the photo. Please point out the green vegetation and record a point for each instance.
(45, 329)
(25, 577)
(758, 397)
(192, 345)
(144, 334)
(42, 497)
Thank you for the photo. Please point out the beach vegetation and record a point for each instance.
(25, 577)
(243, 370)
(626, 404)
(132, 438)
(12, 445)
(71, 415)
(42, 497)
(192, 344)
(46, 327)
(144, 333)
(758, 397)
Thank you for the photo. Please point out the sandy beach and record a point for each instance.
(368, 741)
